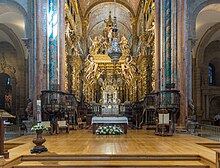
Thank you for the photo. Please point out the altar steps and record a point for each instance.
(128, 161)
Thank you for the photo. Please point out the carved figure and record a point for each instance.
(29, 108)
(94, 47)
(127, 69)
(124, 45)
(92, 68)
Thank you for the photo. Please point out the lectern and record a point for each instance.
(3, 114)
(163, 123)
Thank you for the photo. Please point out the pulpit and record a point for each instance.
(3, 114)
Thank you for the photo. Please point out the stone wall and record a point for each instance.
(15, 61)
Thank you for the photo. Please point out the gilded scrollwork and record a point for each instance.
(73, 62)
(146, 54)
(5, 67)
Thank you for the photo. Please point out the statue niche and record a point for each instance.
(109, 101)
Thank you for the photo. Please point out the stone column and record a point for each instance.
(182, 59)
(62, 55)
(40, 16)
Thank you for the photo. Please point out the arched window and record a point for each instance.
(211, 74)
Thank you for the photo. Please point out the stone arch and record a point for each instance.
(200, 82)
(11, 94)
(195, 13)
(14, 39)
(21, 9)
(18, 78)
(214, 106)
(211, 56)
(203, 43)
(122, 2)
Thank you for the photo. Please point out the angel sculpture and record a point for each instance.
(94, 47)
(92, 68)
(128, 69)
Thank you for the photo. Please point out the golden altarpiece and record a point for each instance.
(98, 81)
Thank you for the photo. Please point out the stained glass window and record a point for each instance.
(211, 74)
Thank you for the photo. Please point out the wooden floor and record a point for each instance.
(139, 142)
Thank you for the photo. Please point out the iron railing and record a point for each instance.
(210, 132)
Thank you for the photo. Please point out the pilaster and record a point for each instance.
(134, 34)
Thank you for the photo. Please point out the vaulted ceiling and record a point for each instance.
(97, 11)
(86, 5)
(208, 17)
(12, 18)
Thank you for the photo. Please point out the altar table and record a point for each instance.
(109, 120)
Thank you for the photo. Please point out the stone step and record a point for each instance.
(119, 163)
(88, 157)
(129, 161)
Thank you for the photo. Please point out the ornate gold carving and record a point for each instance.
(101, 43)
(146, 54)
(73, 62)
(5, 67)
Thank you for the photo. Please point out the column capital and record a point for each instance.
(193, 41)
(27, 42)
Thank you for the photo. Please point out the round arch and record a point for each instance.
(14, 38)
(122, 2)
(204, 42)
(201, 72)
(21, 9)
(195, 13)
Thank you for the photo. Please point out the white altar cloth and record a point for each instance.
(109, 120)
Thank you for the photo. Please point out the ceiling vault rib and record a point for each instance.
(126, 5)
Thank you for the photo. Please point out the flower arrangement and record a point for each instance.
(38, 127)
(109, 130)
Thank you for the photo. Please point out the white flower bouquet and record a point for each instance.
(109, 130)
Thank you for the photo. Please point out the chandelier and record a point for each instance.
(115, 52)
